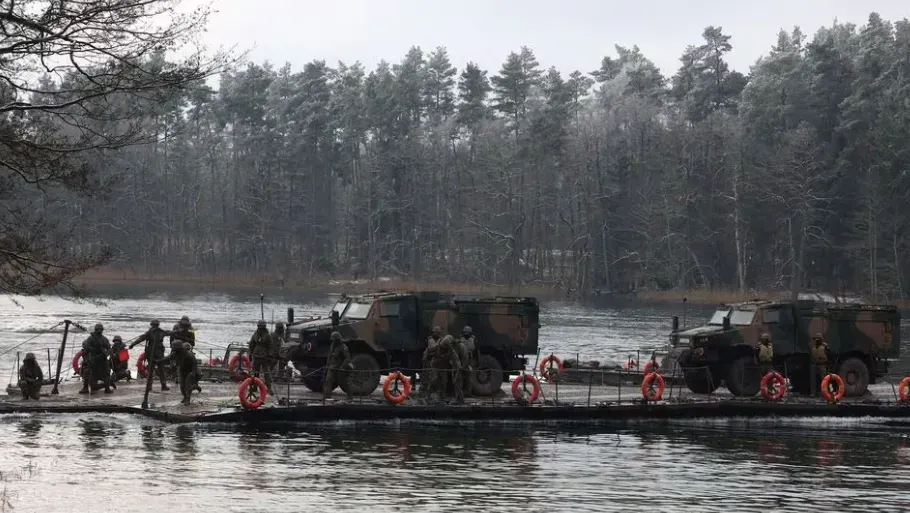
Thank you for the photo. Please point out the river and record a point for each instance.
(86, 462)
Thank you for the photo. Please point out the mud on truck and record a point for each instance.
(388, 331)
(862, 341)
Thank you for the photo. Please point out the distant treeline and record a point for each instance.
(616, 179)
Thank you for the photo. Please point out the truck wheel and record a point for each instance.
(699, 378)
(744, 377)
(488, 376)
(312, 379)
(855, 374)
(364, 379)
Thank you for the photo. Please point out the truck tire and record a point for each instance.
(312, 379)
(855, 374)
(744, 377)
(364, 379)
(488, 376)
(699, 378)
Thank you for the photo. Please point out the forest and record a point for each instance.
(613, 179)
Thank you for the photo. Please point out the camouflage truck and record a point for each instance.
(862, 340)
(388, 331)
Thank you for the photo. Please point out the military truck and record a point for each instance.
(388, 331)
(862, 340)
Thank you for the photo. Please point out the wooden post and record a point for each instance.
(60, 356)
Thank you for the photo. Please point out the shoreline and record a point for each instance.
(105, 277)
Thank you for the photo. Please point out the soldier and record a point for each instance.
(120, 368)
(338, 354)
(435, 336)
(820, 354)
(460, 377)
(446, 366)
(95, 352)
(187, 370)
(30, 377)
(154, 348)
(183, 332)
(279, 338)
(470, 346)
(261, 351)
(765, 354)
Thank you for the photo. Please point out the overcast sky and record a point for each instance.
(568, 34)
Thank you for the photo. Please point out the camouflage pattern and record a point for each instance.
(30, 377)
(120, 368)
(154, 349)
(866, 335)
(335, 371)
(96, 350)
(395, 328)
(261, 350)
(187, 368)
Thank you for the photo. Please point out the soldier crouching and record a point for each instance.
(30, 377)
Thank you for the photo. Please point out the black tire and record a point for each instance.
(698, 378)
(487, 378)
(312, 379)
(856, 376)
(744, 377)
(364, 378)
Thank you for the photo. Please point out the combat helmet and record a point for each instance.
(99, 328)
(155, 323)
(29, 356)
(184, 321)
(279, 326)
(117, 338)
(467, 331)
(437, 331)
(336, 335)
(260, 324)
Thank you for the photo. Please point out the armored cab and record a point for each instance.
(388, 331)
(862, 341)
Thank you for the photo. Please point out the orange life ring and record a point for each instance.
(903, 390)
(516, 392)
(244, 396)
(780, 386)
(76, 358)
(405, 391)
(140, 366)
(238, 365)
(840, 388)
(546, 366)
(652, 366)
(631, 364)
(649, 393)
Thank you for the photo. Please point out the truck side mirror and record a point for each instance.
(726, 323)
(290, 316)
(335, 318)
(675, 323)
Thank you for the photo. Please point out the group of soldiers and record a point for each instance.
(818, 351)
(449, 361)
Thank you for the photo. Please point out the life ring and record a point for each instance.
(516, 389)
(244, 395)
(404, 392)
(903, 390)
(780, 386)
(140, 366)
(631, 364)
(652, 366)
(76, 360)
(840, 388)
(546, 367)
(647, 391)
(238, 365)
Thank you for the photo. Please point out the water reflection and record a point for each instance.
(152, 440)
(185, 442)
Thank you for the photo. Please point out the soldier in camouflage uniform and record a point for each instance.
(445, 366)
(95, 365)
(30, 377)
(469, 364)
(765, 354)
(427, 374)
(334, 367)
(187, 368)
(279, 338)
(460, 376)
(261, 351)
(120, 368)
(820, 354)
(154, 348)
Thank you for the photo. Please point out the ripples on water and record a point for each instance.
(49, 462)
(58, 463)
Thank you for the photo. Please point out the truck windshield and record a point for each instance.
(718, 317)
(340, 306)
(358, 310)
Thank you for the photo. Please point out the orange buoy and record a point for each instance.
(903, 390)
(779, 383)
(238, 365)
(76, 360)
(246, 394)
(546, 367)
(517, 388)
(140, 366)
(652, 366)
(403, 393)
(826, 392)
(647, 391)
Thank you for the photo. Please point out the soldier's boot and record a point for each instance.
(85, 389)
